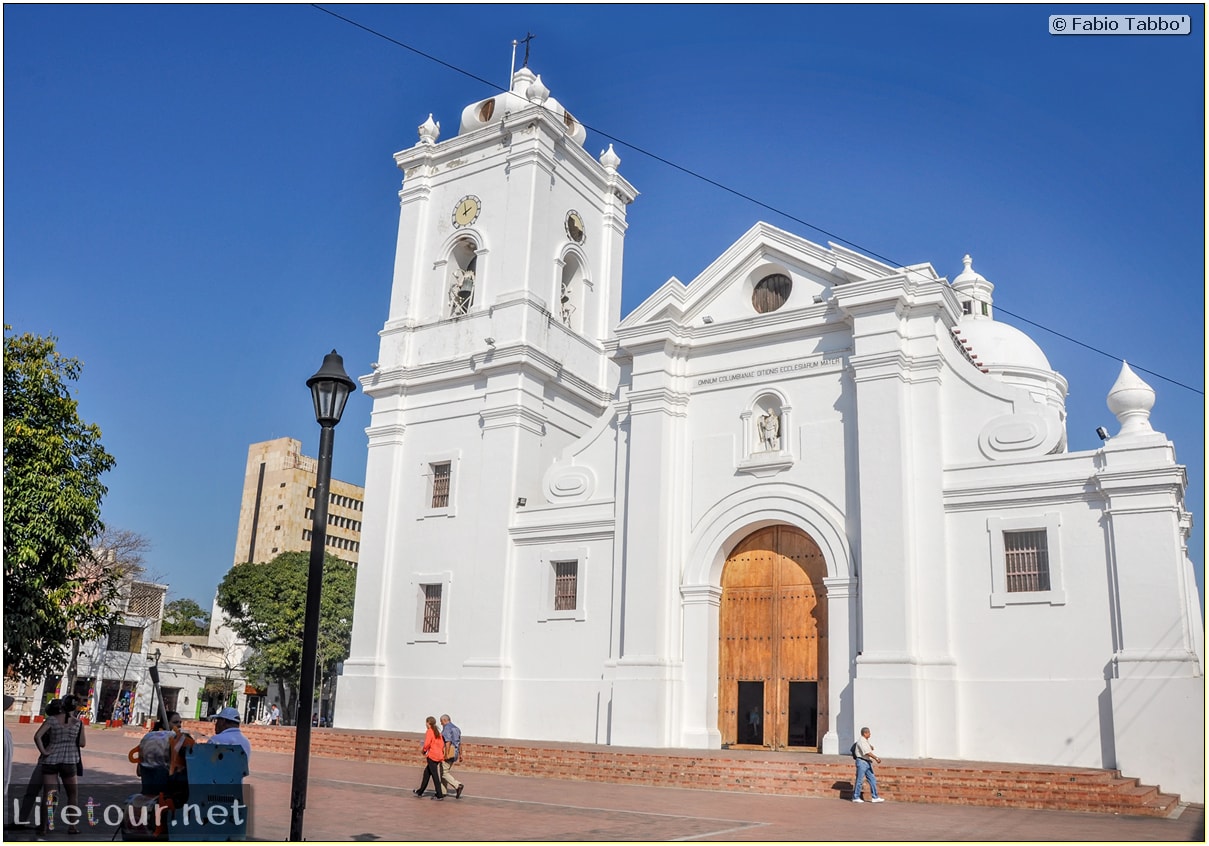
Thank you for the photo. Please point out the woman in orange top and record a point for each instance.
(434, 754)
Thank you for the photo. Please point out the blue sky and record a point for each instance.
(200, 201)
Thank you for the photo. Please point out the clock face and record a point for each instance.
(466, 211)
(575, 227)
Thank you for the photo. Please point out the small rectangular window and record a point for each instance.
(985, 310)
(432, 609)
(125, 639)
(967, 307)
(566, 574)
(440, 484)
(1026, 561)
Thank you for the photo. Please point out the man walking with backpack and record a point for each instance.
(452, 735)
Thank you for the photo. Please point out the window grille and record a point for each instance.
(566, 574)
(1026, 561)
(145, 600)
(125, 639)
(440, 484)
(432, 608)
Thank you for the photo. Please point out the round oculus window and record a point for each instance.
(771, 292)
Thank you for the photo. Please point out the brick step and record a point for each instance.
(800, 774)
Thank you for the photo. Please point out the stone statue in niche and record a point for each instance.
(770, 432)
(461, 292)
(565, 304)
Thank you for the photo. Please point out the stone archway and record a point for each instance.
(772, 642)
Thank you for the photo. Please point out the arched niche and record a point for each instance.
(572, 304)
(766, 423)
(461, 277)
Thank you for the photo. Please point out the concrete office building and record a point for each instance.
(276, 511)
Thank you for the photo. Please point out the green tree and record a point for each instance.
(185, 617)
(266, 607)
(53, 462)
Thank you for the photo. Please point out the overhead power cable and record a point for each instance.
(734, 192)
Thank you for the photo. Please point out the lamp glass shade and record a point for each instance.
(330, 388)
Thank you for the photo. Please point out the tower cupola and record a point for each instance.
(527, 91)
(974, 291)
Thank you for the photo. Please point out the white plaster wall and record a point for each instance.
(556, 687)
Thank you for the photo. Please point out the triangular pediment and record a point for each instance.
(723, 291)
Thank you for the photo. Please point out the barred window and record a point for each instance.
(432, 609)
(566, 574)
(1026, 559)
(440, 484)
(125, 639)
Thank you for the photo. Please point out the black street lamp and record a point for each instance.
(330, 388)
(154, 672)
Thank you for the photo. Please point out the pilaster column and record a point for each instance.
(841, 655)
(701, 604)
(648, 670)
(1156, 680)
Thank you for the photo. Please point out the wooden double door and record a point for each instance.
(772, 650)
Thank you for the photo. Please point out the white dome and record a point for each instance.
(998, 345)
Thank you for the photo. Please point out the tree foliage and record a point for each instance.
(185, 617)
(115, 556)
(266, 606)
(55, 587)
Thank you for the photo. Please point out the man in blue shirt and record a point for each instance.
(452, 735)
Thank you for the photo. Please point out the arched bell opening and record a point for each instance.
(461, 278)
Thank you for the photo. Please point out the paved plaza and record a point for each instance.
(349, 800)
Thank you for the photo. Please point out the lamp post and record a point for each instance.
(330, 388)
(154, 672)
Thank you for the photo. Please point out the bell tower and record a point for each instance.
(512, 204)
(507, 285)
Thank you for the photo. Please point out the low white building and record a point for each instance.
(112, 680)
(806, 492)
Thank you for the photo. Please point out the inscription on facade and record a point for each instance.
(770, 370)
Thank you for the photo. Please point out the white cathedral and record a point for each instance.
(806, 492)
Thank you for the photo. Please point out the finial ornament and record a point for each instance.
(537, 92)
(969, 274)
(609, 159)
(1131, 399)
(430, 131)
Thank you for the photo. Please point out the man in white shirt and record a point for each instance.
(862, 750)
(226, 730)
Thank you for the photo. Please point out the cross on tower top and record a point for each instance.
(529, 36)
